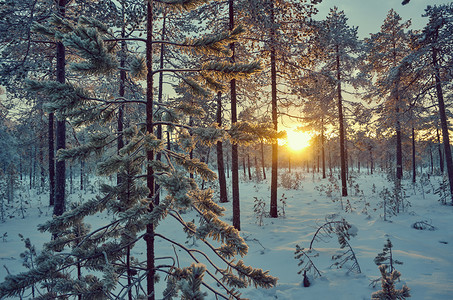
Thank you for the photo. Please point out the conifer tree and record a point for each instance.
(336, 43)
(389, 291)
(386, 49)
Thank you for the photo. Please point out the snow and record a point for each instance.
(427, 267)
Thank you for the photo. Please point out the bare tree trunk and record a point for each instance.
(234, 146)
(220, 164)
(323, 150)
(274, 175)
(262, 160)
(60, 175)
(413, 156)
(149, 237)
(344, 189)
(443, 121)
(439, 147)
(51, 145)
(248, 166)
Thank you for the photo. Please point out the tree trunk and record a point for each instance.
(149, 237)
(323, 154)
(274, 175)
(160, 91)
(234, 146)
(344, 189)
(248, 166)
(60, 174)
(439, 147)
(413, 156)
(262, 160)
(443, 121)
(51, 145)
(220, 165)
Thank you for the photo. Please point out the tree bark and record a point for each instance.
(323, 150)
(149, 237)
(60, 174)
(443, 121)
(414, 175)
(274, 174)
(439, 147)
(344, 188)
(220, 164)
(51, 142)
(234, 146)
(262, 160)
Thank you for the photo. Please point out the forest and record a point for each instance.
(231, 149)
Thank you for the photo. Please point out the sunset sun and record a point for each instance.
(297, 140)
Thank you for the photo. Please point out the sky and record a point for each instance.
(369, 15)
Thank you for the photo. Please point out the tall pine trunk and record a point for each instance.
(413, 156)
(149, 237)
(443, 120)
(234, 146)
(59, 204)
(344, 188)
(220, 164)
(323, 153)
(51, 145)
(262, 160)
(439, 148)
(274, 174)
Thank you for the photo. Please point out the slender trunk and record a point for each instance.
(220, 164)
(413, 156)
(207, 163)
(344, 191)
(323, 154)
(51, 142)
(149, 237)
(439, 147)
(243, 166)
(443, 121)
(82, 164)
(160, 91)
(262, 160)
(248, 166)
(60, 174)
(234, 146)
(431, 158)
(121, 92)
(370, 149)
(274, 175)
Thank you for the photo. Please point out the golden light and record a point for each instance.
(297, 140)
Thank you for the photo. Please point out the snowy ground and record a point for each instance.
(426, 255)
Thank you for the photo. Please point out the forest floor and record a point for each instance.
(305, 203)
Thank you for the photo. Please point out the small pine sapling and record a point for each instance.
(343, 230)
(443, 191)
(386, 257)
(305, 260)
(281, 210)
(259, 209)
(389, 291)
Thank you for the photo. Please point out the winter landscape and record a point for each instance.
(239, 149)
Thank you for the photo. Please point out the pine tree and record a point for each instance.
(386, 49)
(336, 43)
(389, 290)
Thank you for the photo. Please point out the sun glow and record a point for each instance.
(297, 140)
